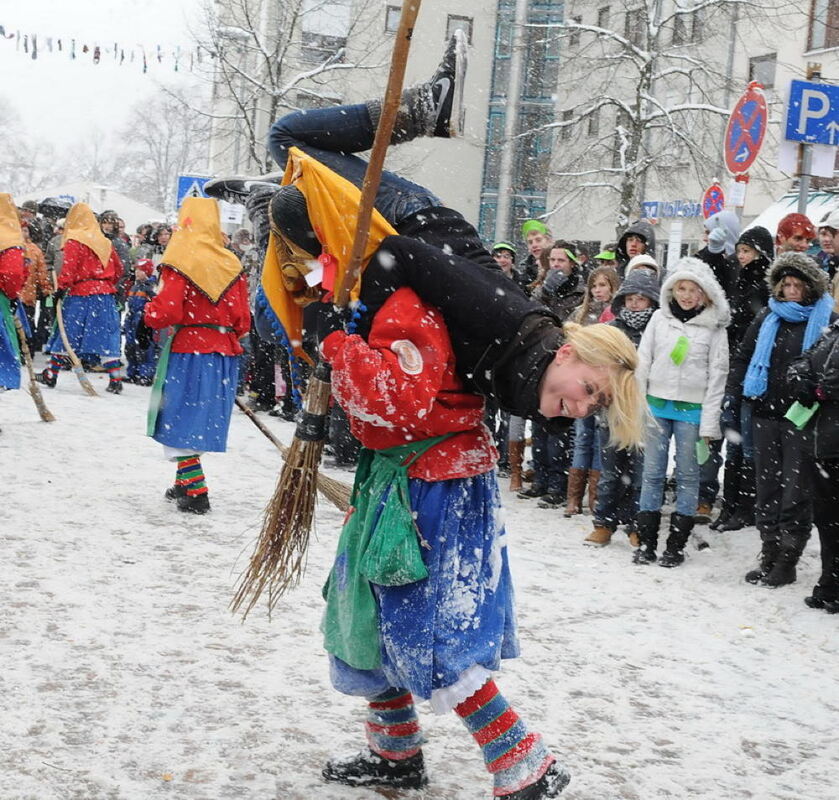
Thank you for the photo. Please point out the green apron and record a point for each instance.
(156, 397)
(379, 543)
(9, 322)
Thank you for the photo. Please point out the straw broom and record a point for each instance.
(336, 492)
(78, 369)
(279, 558)
(43, 411)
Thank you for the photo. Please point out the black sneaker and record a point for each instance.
(174, 492)
(644, 556)
(555, 779)
(194, 503)
(47, 378)
(552, 500)
(369, 769)
(533, 491)
(114, 386)
(671, 558)
(236, 189)
(447, 89)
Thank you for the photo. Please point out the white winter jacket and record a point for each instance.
(701, 377)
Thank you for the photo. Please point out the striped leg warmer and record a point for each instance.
(190, 475)
(393, 730)
(57, 363)
(515, 757)
(113, 368)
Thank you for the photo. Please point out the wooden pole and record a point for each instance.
(45, 414)
(78, 369)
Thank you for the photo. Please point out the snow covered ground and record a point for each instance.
(125, 677)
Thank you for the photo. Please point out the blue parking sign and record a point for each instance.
(813, 113)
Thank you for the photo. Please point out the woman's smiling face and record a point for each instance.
(571, 388)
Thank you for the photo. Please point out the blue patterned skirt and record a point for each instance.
(92, 326)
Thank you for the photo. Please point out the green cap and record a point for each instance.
(533, 225)
(606, 255)
(504, 246)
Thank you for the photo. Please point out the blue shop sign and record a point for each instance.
(667, 209)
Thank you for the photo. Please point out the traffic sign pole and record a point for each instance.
(814, 72)
(743, 139)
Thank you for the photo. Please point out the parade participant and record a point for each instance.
(140, 361)
(87, 285)
(204, 295)
(12, 278)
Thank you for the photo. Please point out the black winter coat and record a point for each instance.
(724, 268)
(821, 365)
(780, 394)
(748, 298)
(567, 298)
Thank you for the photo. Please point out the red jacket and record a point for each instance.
(82, 271)
(400, 386)
(180, 302)
(13, 272)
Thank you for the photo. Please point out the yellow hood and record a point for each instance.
(82, 226)
(10, 233)
(196, 250)
(332, 203)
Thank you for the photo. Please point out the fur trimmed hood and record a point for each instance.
(718, 314)
(803, 266)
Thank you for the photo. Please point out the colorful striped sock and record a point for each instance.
(190, 475)
(393, 730)
(515, 757)
(56, 364)
(113, 368)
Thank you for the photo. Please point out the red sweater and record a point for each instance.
(12, 272)
(82, 271)
(401, 386)
(180, 302)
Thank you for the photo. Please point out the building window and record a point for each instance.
(392, 14)
(762, 70)
(594, 123)
(458, 23)
(565, 132)
(633, 28)
(603, 17)
(574, 38)
(697, 25)
(824, 24)
(318, 47)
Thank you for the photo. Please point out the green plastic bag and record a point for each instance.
(800, 415)
(680, 351)
(703, 452)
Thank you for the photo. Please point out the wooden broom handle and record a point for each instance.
(373, 175)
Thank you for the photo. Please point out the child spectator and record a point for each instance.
(620, 479)
(585, 469)
(141, 361)
(683, 365)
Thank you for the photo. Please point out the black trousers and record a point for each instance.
(825, 484)
(783, 458)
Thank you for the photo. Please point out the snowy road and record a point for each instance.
(124, 677)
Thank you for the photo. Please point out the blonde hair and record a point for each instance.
(605, 346)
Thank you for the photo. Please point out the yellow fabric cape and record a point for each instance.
(196, 250)
(10, 233)
(82, 226)
(332, 203)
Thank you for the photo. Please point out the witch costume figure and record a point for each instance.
(12, 278)
(204, 297)
(87, 286)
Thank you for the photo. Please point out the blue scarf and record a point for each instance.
(817, 317)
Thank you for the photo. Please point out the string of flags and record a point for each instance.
(35, 46)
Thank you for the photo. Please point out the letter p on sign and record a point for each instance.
(821, 107)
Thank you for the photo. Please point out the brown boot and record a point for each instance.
(593, 477)
(576, 487)
(599, 537)
(634, 539)
(515, 455)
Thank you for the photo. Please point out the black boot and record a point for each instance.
(769, 550)
(783, 571)
(680, 527)
(174, 492)
(194, 503)
(369, 769)
(534, 491)
(821, 598)
(647, 524)
(552, 500)
(434, 108)
(744, 514)
(47, 378)
(555, 779)
(114, 386)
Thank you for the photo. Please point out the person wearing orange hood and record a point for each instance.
(86, 289)
(12, 278)
(203, 293)
(795, 232)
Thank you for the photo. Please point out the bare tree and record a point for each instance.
(27, 163)
(644, 92)
(164, 138)
(264, 57)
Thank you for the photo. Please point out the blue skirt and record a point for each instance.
(461, 615)
(9, 359)
(92, 325)
(198, 397)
